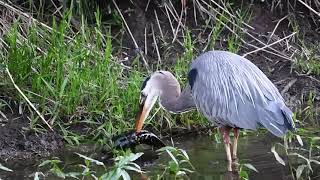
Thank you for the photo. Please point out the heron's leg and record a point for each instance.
(235, 143)
(226, 139)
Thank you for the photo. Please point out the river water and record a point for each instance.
(206, 155)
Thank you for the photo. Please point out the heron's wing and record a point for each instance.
(231, 90)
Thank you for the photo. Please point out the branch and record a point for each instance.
(28, 101)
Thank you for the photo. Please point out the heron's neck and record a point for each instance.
(175, 102)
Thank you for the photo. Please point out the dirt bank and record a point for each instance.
(19, 145)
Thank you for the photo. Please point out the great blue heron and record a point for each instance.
(228, 89)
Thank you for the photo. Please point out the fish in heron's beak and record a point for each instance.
(145, 105)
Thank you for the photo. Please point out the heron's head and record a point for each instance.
(151, 89)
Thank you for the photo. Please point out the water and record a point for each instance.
(206, 155)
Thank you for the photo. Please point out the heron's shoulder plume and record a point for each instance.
(145, 82)
(192, 75)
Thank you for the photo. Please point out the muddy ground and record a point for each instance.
(18, 143)
(21, 146)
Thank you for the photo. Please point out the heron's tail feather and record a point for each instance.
(288, 121)
(277, 118)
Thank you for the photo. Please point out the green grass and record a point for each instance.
(308, 65)
(77, 80)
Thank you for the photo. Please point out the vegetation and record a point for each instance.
(123, 163)
(72, 72)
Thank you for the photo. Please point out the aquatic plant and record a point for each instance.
(122, 164)
(179, 165)
(302, 159)
(244, 170)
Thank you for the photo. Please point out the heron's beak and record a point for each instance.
(142, 113)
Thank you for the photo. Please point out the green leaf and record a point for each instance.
(300, 170)
(251, 167)
(186, 170)
(299, 140)
(36, 176)
(315, 161)
(134, 164)
(172, 156)
(63, 86)
(58, 172)
(52, 161)
(244, 175)
(134, 157)
(130, 168)
(5, 168)
(73, 174)
(166, 148)
(174, 167)
(315, 139)
(181, 173)
(91, 160)
(276, 155)
(184, 153)
(125, 175)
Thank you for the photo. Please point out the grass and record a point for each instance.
(123, 163)
(308, 62)
(124, 166)
(73, 81)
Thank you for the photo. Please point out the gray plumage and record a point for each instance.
(228, 89)
(231, 91)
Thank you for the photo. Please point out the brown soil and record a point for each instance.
(19, 145)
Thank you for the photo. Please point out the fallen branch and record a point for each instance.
(306, 5)
(288, 86)
(28, 101)
(275, 28)
(155, 44)
(264, 47)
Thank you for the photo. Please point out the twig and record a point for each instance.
(209, 40)
(308, 76)
(27, 16)
(145, 41)
(57, 8)
(129, 31)
(169, 18)
(177, 30)
(306, 5)
(275, 28)
(173, 11)
(242, 29)
(4, 116)
(146, 9)
(195, 13)
(288, 86)
(158, 22)
(259, 49)
(155, 43)
(28, 101)
(231, 15)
